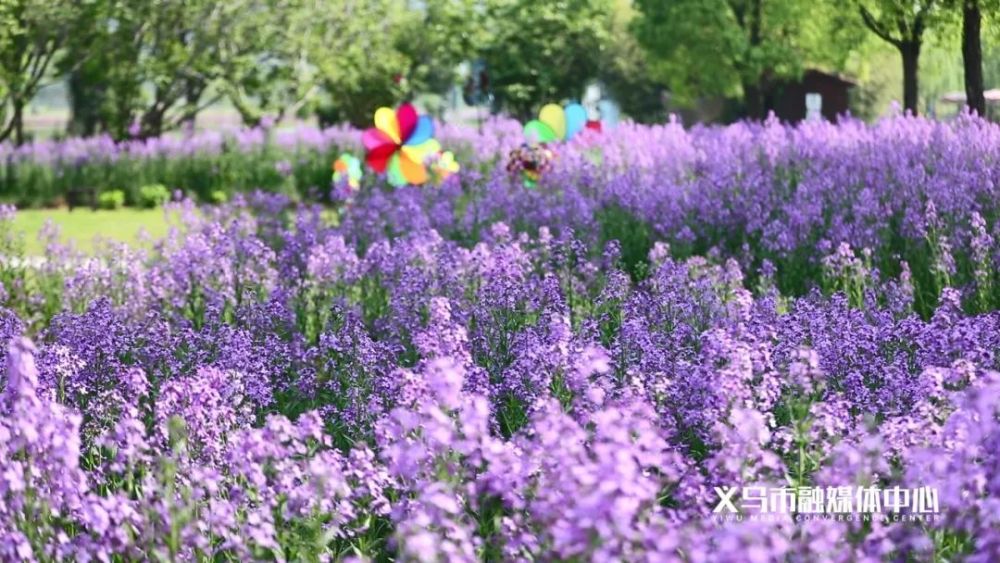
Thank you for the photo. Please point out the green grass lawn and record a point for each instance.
(82, 225)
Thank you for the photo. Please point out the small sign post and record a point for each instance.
(814, 106)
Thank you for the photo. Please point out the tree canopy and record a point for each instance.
(538, 52)
(735, 48)
(142, 67)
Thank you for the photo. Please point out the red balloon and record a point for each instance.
(594, 125)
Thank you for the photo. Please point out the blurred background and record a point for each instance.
(141, 68)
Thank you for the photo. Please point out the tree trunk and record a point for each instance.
(972, 56)
(753, 98)
(910, 51)
(85, 101)
(18, 121)
(151, 124)
(753, 90)
(192, 96)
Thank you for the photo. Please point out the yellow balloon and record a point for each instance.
(386, 122)
(554, 116)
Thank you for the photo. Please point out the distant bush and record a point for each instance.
(44, 172)
(152, 196)
(218, 196)
(113, 199)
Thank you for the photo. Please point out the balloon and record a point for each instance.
(423, 130)
(576, 119)
(406, 116)
(555, 117)
(555, 123)
(539, 132)
(386, 122)
(609, 113)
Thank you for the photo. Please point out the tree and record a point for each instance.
(972, 55)
(902, 24)
(624, 70)
(154, 65)
(363, 67)
(267, 57)
(972, 12)
(32, 34)
(739, 47)
(88, 70)
(176, 49)
(543, 51)
(435, 37)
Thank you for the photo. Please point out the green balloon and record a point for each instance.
(539, 132)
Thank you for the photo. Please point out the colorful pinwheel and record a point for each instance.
(443, 165)
(555, 123)
(400, 144)
(347, 168)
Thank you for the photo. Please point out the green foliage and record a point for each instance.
(152, 64)
(900, 20)
(903, 24)
(84, 227)
(32, 33)
(380, 52)
(269, 56)
(728, 48)
(634, 236)
(144, 67)
(539, 52)
(152, 195)
(625, 71)
(218, 196)
(363, 66)
(31, 183)
(438, 36)
(112, 199)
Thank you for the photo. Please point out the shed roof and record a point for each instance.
(834, 76)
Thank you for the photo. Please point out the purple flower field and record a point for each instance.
(585, 370)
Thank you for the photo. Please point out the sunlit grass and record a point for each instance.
(82, 226)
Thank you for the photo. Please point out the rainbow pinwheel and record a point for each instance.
(400, 144)
(556, 123)
(443, 165)
(347, 168)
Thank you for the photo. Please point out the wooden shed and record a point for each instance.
(788, 99)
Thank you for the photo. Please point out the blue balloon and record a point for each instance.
(423, 131)
(576, 120)
(609, 113)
